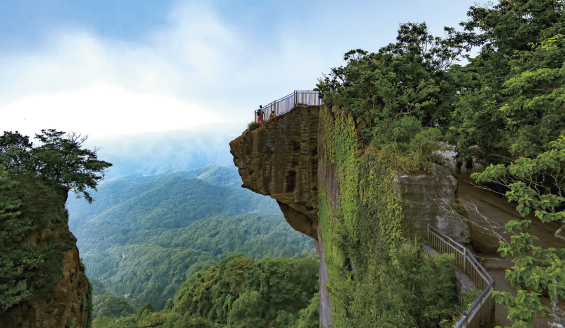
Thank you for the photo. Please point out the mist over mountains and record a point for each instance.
(160, 152)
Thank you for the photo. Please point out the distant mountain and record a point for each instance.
(144, 235)
(169, 200)
(158, 152)
(212, 174)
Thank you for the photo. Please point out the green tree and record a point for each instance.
(142, 311)
(243, 292)
(510, 97)
(399, 95)
(104, 322)
(404, 78)
(247, 310)
(310, 317)
(536, 184)
(59, 158)
(111, 306)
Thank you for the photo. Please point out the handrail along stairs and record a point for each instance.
(482, 309)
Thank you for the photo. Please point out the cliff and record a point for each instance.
(280, 159)
(65, 305)
(306, 160)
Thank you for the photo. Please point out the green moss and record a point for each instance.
(363, 238)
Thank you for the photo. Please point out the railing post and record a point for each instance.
(464, 260)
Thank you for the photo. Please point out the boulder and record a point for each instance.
(431, 199)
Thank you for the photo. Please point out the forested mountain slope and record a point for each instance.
(125, 206)
(144, 235)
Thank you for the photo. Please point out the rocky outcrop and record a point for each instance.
(67, 305)
(280, 159)
(431, 199)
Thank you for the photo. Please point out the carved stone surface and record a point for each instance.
(280, 159)
(431, 200)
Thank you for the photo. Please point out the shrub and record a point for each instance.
(253, 125)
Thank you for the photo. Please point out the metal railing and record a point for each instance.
(288, 102)
(482, 309)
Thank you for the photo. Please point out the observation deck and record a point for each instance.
(287, 103)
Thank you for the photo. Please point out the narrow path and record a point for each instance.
(489, 213)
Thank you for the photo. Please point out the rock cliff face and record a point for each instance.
(281, 158)
(432, 201)
(66, 306)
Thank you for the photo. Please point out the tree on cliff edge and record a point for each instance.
(59, 159)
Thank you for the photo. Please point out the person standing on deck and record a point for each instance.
(260, 113)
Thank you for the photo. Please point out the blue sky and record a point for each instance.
(129, 67)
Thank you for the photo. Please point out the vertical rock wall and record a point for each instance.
(67, 305)
(280, 159)
(431, 200)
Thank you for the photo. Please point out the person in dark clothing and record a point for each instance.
(469, 165)
(458, 165)
(260, 113)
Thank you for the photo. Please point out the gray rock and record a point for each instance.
(430, 199)
(463, 282)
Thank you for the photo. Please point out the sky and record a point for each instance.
(119, 69)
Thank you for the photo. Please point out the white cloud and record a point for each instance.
(98, 86)
(197, 69)
(200, 67)
(103, 110)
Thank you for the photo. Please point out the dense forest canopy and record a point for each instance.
(143, 236)
(505, 103)
(236, 292)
